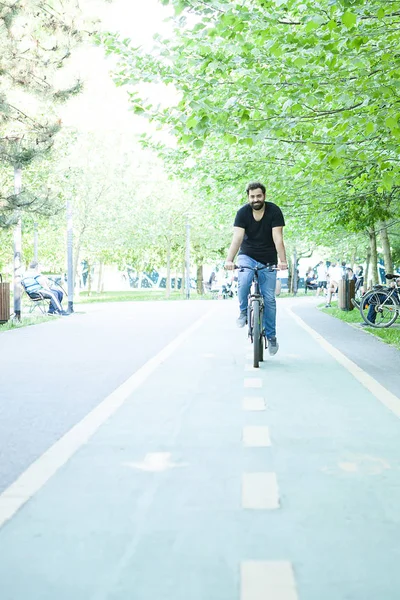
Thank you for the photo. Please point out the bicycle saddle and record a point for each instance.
(390, 276)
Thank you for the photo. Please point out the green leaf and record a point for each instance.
(276, 50)
(230, 139)
(349, 19)
(391, 123)
(335, 162)
(381, 13)
(300, 62)
(370, 128)
(311, 25)
(388, 180)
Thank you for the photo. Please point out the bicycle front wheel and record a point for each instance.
(379, 309)
(261, 335)
(256, 334)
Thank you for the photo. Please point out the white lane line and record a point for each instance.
(47, 465)
(260, 491)
(253, 403)
(254, 382)
(267, 580)
(388, 399)
(257, 437)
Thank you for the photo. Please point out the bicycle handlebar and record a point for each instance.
(271, 267)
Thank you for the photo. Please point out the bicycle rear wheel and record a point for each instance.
(256, 334)
(379, 309)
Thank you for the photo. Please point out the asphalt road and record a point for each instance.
(200, 478)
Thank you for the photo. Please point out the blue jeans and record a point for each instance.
(267, 281)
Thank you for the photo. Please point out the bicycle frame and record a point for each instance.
(255, 295)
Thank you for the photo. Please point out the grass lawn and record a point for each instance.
(391, 335)
(25, 321)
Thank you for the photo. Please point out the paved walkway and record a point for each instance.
(202, 478)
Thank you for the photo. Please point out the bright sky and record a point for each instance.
(102, 105)
(137, 19)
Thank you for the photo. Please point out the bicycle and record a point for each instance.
(380, 307)
(255, 313)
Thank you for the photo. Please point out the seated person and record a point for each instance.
(310, 281)
(35, 282)
(335, 272)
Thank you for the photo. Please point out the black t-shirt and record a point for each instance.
(258, 242)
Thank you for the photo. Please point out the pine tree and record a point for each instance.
(36, 40)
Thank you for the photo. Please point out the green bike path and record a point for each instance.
(216, 481)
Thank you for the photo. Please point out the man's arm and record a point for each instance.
(277, 236)
(43, 281)
(238, 235)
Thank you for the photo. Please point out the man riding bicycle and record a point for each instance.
(258, 236)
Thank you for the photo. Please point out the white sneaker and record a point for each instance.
(242, 320)
(273, 346)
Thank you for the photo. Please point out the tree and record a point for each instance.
(36, 40)
(304, 93)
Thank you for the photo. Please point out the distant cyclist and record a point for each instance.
(258, 236)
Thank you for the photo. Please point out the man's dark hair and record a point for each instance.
(255, 185)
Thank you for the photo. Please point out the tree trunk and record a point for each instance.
(17, 248)
(183, 277)
(367, 265)
(387, 254)
(200, 290)
(290, 275)
(374, 256)
(295, 274)
(100, 279)
(89, 279)
(35, 242)
(353, 258)
(168, 285)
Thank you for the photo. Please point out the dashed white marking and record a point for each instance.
(388, 399)
(253, 403)
(260, 491)
(257, 437)
(267, 580)
(253, 382)
(47, 465)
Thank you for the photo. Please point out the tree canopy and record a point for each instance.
(303, 95)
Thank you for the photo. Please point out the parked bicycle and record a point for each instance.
(380, 307)
(255, 314)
